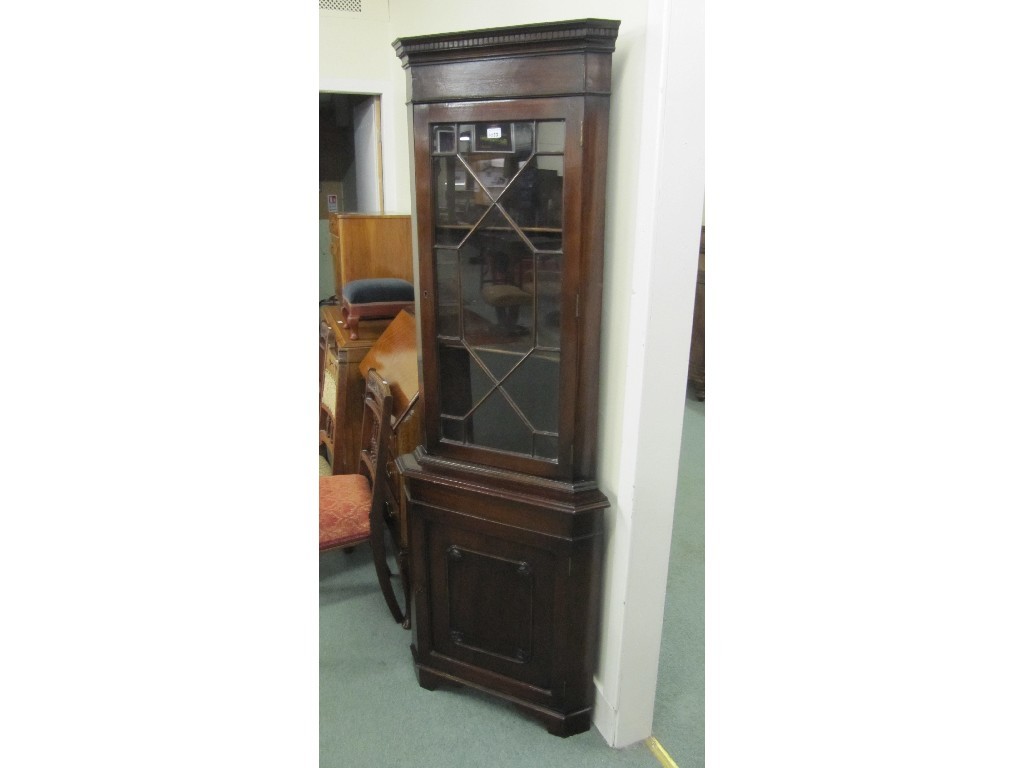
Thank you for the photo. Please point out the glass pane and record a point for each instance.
(520, 199)
(534, 201)
(548, 196)
(444, 139)
(447, 265)
(453, 429)
(497, 310)
(494, 153)
(488, 176)
(455, 193)
(453, 369)
(551, 136)
(499, 363)
(450, 182)
(522, 139)
(545, 283)
(546, 446)
(533, 387)
(507, 138)
(496, 425)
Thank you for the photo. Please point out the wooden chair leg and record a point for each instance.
(378, 543)
(403, 568)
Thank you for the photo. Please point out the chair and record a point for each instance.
(353, 507)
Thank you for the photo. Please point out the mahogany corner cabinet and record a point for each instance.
(510, 131)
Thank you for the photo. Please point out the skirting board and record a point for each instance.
(606, 720)
(604, 715)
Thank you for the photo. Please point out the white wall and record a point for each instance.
(637, 546)
(356, 57)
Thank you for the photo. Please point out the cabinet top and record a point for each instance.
(579, 35)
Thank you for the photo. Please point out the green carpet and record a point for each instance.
(373, 712)
(679, 702)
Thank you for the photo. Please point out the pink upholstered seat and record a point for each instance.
(344, 510)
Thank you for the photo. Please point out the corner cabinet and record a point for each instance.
(510, 134)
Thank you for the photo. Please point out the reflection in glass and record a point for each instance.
(498, 310)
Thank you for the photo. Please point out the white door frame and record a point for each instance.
(382, 89)
(669, 209)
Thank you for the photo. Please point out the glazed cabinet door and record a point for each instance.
(499, 272)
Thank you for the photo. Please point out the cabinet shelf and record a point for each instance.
(468, 227)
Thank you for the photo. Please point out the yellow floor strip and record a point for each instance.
(659, 752)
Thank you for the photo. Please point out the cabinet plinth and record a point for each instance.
(510, 133)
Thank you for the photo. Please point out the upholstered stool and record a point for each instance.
(376, 298)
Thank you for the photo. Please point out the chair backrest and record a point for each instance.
(373, 455)
(373, 459)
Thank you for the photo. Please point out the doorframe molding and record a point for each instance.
(385, 149)
(669, 209)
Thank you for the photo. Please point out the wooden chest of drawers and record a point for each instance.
(341, 388)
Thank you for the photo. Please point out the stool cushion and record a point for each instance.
(377, 290)
(344, 510)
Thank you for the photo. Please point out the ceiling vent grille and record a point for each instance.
(349, 6)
